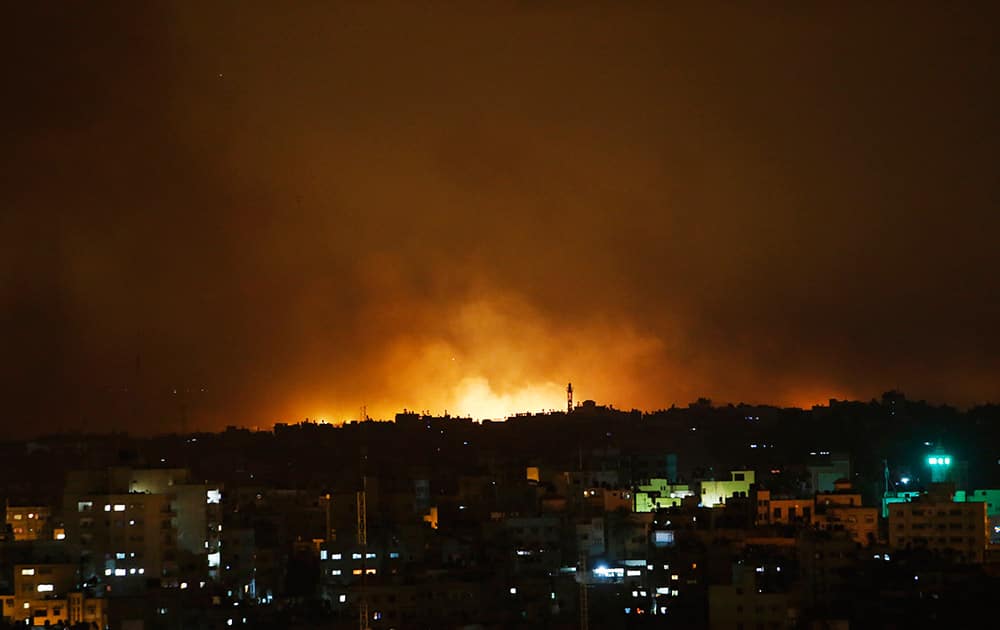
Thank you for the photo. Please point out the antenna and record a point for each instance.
(569, 398)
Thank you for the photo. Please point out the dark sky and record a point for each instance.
(303, 208)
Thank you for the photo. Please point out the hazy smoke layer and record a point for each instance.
(237, 213)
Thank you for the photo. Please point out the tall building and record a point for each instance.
(937, 523)
(133, 526)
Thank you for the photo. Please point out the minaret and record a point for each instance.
(569, 398)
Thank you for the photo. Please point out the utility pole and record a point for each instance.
(362, 499)
(363, 543)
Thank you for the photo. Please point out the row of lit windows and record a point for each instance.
(324, 555)
(354, 572)
(124, 572)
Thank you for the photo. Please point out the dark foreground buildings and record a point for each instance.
(852, 515)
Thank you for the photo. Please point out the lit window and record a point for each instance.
(370, 571)
(107, 508)
(356, 556)
(369, 556)
(119, 507)
(513, 590)
(335, 556)
(322, 554)
(335, 571)
(119, 572)
(27, 571)
(343, 598)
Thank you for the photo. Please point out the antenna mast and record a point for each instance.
(569, 398)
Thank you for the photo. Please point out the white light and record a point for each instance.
(335, 571)
(322, 554)
(119, 507)
(184, 585)
(513, 590)
(107, 508)
(45, 588)
(107, 571)
(343, 598)
(335, 556)
(229, 622)
(27, 571)
(119, 572)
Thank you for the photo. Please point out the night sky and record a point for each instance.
(290, 210)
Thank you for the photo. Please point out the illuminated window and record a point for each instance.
(119, 507)
(343, 598)
(322, 554)
(356, 556)
(27, 571)
(335, 556)
(335, 571)
(119, 572)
